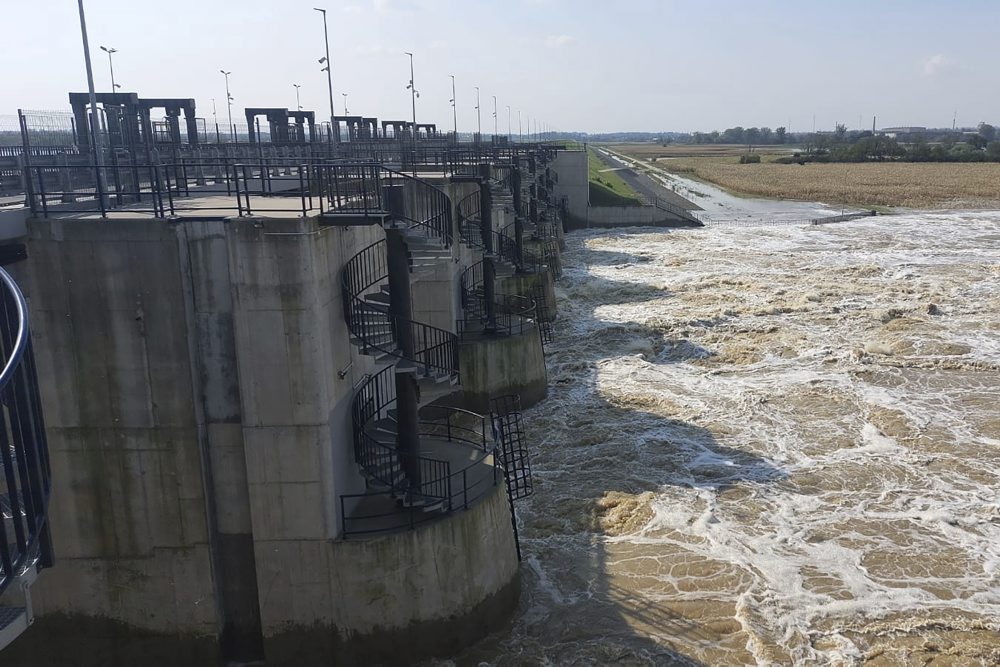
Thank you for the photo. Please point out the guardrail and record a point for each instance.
(25, 473)
(415, 479)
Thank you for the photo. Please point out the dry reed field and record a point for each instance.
(885, 184)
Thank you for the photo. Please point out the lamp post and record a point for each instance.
(413, 100)
(508, 123)
(229, 103)
(215, 117)
(479, 117)
(520, 135)
(329, 75)
(494, 117)
(95, 143)
(111, 65)
(298, 102)
(454, 107)
(346, 110)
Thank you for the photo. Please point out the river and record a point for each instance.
(774, 444)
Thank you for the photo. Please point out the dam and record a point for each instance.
(345, 389)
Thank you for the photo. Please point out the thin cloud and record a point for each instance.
(937, 64)
(558, 41)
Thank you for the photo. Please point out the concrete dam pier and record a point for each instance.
(290, 438)
(282, 384)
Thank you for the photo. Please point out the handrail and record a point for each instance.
(432, 210)
(371, 403)
(512, 313)
(25, 471)
(436, 482)
(21, 339)
(435, 350)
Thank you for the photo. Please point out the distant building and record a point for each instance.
(903, 132)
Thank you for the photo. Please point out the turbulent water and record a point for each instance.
(768, 445)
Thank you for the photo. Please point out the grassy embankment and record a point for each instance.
(868, 185)
(606, 186)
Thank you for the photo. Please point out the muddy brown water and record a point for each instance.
(774, 445)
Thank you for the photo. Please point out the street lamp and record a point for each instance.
(298, 102)
(520, 135)
(508, 123)
(413, 100)
(329, 75)
(215, 117)
(494, 117)
(95, 138)
(479, 117)
(111, 64)
(346, 110)
(229, 103)
(454, 107)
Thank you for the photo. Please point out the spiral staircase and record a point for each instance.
(420, 461)
(486, 311)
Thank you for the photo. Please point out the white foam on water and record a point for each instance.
(803, 489)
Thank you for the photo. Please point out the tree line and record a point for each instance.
(843, 145)
(932, 146)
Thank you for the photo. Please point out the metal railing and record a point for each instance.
(412, 478)
(343, 179)
(25, 473)
(181, 189)
(513, 314)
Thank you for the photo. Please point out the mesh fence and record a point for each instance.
(50, 128)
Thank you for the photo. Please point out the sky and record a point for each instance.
(574, 65)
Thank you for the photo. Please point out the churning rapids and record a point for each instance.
(768, 445)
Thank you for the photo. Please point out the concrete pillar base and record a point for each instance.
(497, 365)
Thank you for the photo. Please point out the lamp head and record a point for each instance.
(322, 60)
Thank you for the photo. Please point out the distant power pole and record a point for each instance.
(873, 125)
(954, 120)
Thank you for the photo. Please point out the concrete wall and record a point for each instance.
(391, 600)
(128, 510)
(494, 366)
(625, 216)
(574, 181)
(197, 384)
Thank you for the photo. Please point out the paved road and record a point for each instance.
(646, 186)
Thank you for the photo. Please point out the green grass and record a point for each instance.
(606, 187)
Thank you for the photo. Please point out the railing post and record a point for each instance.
(41, 188)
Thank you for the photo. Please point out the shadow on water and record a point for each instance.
(591, 442)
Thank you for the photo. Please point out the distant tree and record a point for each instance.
(779, 135)
(993, 151)
(766, 135)
(840, 133)
(977, 141)
(752, 137)
(987, 132)
(733, 135)
(919, 151)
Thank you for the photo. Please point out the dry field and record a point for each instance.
(905, 184)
